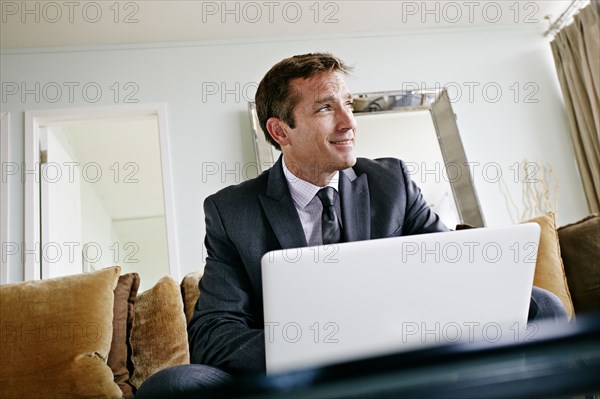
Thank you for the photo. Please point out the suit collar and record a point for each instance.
(279, 208)
(356, 212)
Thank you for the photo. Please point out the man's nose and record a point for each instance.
(346, 119)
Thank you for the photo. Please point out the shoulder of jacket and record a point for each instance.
(379, 164)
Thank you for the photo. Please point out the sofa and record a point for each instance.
(94, 335)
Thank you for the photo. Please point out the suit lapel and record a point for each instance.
(356, 211)
(280, 210)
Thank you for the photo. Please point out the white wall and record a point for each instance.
(208, 130)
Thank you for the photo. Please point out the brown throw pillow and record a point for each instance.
(159, 334)
(549, 269)
(190, 293)
(56, 335)
(119, 357)
(580, 249)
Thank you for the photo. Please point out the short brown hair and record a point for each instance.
(273, 95)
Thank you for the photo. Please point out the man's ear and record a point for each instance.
(279, 130)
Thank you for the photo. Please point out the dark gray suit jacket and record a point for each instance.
(245, 221)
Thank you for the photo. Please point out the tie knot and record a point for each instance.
(326, 195)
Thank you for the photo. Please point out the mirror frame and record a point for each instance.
(435, 101)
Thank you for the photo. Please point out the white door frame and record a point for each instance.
(4, 145)
(35, 119)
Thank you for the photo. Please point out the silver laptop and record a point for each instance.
(334, 303)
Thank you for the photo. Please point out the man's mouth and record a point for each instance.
(342, 142)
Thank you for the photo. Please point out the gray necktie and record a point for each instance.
(330, 223)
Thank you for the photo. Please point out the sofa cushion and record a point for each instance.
(549, 269)
(56, 335)
(580, 249)
(119, 357)
(159, 335)
(190, 293)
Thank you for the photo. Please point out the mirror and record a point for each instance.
(418, 127)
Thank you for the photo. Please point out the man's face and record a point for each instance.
(322, 141)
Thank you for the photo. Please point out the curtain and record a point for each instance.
(576, 50)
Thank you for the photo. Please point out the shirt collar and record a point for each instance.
(302, 191)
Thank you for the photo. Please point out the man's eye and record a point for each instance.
(324, 108)
(350, 106)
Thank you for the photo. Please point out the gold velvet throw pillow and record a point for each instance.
(549, 269)
(159, 333)
(56, 335)
(190, 293)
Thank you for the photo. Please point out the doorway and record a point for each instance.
(103, 193)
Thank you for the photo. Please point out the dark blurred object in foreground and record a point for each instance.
(558, 361)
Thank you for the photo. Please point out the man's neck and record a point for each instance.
(310, 175)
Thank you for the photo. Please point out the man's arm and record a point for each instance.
(419, 217)
(225, 332)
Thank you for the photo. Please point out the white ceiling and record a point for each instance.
(85, 23)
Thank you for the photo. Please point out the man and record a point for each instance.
(304, 105)
(305, 108)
